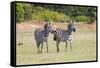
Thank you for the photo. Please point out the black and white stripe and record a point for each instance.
(64, 36)
(42, 36)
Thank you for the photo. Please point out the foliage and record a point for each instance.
(91, 14)
(81, 19)
(19, 12)
(55, 13)
(49, 15)
(28, 11)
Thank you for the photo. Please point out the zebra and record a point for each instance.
(42, 36)
(64, 36)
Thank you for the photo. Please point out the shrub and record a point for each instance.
(81, 18)
(19, 12)
(49, 15)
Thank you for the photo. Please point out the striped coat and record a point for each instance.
(64, 36)
(42, 36)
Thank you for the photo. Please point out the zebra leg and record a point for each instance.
(41, 47)
(38, 50)
(57, 44)
(38, 45)
(70, 45)
(47, 46)
(66, 46)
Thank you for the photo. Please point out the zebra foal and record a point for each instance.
(64, 36)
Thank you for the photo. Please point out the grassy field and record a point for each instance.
(84, 47)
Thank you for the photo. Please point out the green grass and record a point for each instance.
(84, 48)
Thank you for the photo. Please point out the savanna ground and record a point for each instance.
(83, 45)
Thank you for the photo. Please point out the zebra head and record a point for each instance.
(47, 29)
(71, 26)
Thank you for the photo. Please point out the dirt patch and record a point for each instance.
(29, 26)
(86, 26)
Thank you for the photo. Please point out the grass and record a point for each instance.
(84, 48)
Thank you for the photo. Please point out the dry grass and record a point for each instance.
(84, 46)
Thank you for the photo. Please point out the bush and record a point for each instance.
(49, 15)
(81, 18)
(55, 13)
(28, 12)
(19, 12)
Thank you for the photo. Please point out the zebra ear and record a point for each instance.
(70, 22)
(69, 25)
(74, 21)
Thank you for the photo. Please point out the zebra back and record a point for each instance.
(40, 35)
(62, 35)
(56, 33)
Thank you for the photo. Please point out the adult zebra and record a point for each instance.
(64, 35)
(42, 36)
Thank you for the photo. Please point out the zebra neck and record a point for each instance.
(69, 32)
(46, 33)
